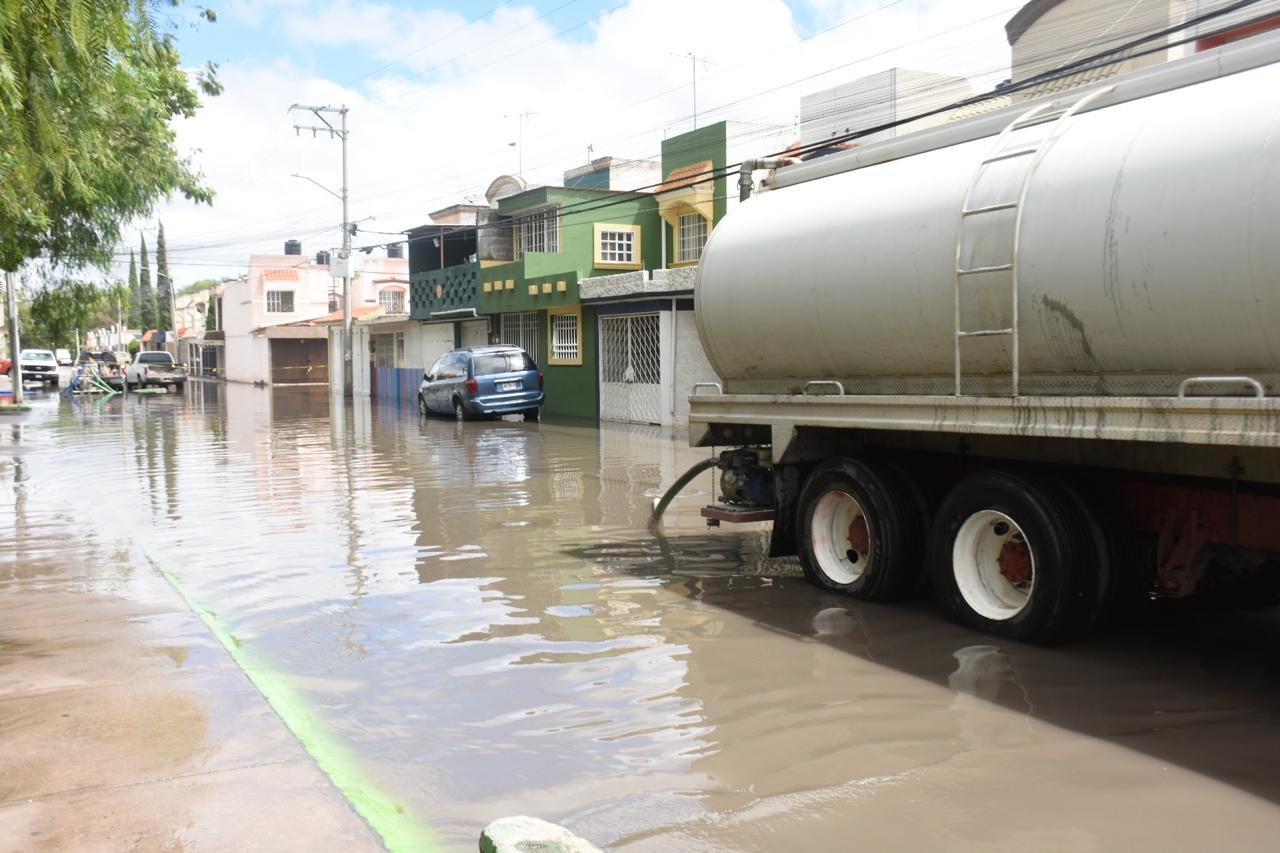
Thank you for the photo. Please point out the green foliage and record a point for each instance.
(164, 312)
(87, 91)
(146, 299)
(59, 308)
(133, 346)
(202, 284)
(211, 317)
(135, 295)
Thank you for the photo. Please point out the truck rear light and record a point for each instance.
(541, 380)
(473, 387)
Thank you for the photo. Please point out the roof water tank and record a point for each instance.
(293, 247)
(322, 258)
(395, 250)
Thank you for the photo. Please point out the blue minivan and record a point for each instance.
(481, 382)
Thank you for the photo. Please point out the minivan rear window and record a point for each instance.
(503, 362)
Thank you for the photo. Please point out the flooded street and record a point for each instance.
(466, 621)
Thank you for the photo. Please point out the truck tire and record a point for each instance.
(860, 530)
(1015, 555)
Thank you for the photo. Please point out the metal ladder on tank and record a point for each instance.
(1054, 114)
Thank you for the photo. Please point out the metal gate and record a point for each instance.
(630, 369)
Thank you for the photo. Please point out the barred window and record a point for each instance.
(279, 301)
(540, 231)
(693, 236)
(566, 337)
(392, 300)
(521, 330)
(618, 247)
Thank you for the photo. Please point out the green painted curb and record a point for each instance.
(386, 817)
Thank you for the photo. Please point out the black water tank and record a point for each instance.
(395, 250)
(322, 258)
(293, 247)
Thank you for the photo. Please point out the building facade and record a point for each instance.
(270, 318)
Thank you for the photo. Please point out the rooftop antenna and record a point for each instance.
(519, 143)
(694, 61)
(590, 150)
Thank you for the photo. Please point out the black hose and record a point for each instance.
(661, 506)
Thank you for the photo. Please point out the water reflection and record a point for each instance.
(478, 612)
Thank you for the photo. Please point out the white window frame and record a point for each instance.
(520, 330)
(617, 246)
(538, 231)
(692, 230)
(279, 303)
(395, 296)
(564, 335)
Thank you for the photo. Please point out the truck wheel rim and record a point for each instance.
(842, 545)
(994, 565)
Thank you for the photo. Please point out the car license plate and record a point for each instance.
(509, 386)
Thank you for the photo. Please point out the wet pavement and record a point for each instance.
(460, 622)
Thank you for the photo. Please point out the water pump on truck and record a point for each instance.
(1026, 358)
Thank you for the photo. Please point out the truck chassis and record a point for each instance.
(1032, 518)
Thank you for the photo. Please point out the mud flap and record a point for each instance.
(787, 480)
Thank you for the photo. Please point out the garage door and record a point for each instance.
(295, 362)
(475, 333)
(437, 339)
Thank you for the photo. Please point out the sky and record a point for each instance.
(434, 91)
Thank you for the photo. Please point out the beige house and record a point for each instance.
(270, 318)
(1050, 34)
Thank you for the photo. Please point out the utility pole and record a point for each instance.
(519, 144)
(339, 132)
(11, 300)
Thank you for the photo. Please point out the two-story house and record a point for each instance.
(272, 320)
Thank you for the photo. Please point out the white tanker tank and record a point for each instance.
(1130, 245)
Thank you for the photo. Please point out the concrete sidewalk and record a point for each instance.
(124, 725)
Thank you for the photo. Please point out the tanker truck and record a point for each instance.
(1026, 360)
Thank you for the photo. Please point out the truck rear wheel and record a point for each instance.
(860, 530)
(1016, 555)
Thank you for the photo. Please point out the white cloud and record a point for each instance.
(430, 130)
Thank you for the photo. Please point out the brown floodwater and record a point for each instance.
(476, 616)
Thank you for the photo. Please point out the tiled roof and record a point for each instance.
(148, 336)
(686, 175)
(280, 275)
(356, 314)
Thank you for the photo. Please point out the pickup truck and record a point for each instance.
(154, 368)
(39, 365)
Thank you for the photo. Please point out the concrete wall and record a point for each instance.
(691, 364)
(248, 358)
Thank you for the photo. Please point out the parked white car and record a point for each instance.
(39, 365)
(155, 369)
(63, 356)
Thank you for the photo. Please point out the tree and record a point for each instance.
(87, 92)
(146, 301)
(58, 309)
(164, 286)
(211, 317)
(135, 295)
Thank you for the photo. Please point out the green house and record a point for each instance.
(559, 236)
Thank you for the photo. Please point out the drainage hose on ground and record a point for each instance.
(661, 505)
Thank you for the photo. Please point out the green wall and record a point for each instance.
(571, 389)
(705, 143)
